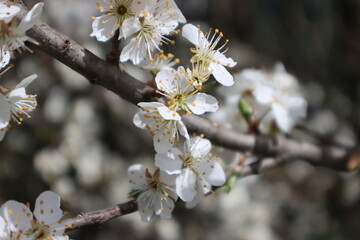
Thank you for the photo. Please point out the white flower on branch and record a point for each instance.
(153, 192)
(280, 92)
(162, 123)
(160, 62)
(114, 14)
(13, 34)
(207, 54)
(195, 167)
(15, 104)
(17, 221)
(176, 86)
(147, 29)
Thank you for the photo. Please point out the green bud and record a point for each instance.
(245, 109)
(208, 87)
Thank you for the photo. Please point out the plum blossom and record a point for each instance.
(147, 30)
(16, 104)
(18, 222)
(153, 192)
(207, 53)
(114, 14)
(195, 168)
(162, 123)
(13, 34)
(175, 85)
(280, 92)
(160, 62)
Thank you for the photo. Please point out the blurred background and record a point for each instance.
(81, 139)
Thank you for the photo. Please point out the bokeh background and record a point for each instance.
(81, 139)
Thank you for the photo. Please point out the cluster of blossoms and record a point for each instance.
(269, 100)
(15, 105)
(188, 172)
(18, 222)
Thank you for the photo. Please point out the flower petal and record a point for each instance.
(211, 171)
(103, 27)
(185, 185)
(136, 175)
(31, 17)
(17, 214)
(281, 116)
(199, 147)
(4, 112)
(26, 81)
(129, 27)
(192, 33)
(201, 103)
(169, 162)
(221, 74)
(47, 208)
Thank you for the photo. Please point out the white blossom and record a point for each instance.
(12, 34)
(153, 192)
(195, 167)
(18, 222)
(176, 86)
(160, 62)
(15, 104)
(147, 30)
(114, 14)
(162, 123)
(207, 53)
(280, 92)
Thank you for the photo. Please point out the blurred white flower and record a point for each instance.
(208, 55)
(17, 220)
(281, 92)
(195, 168)
(162, 123)
(175, 86)
(15, 104)
(153, 192)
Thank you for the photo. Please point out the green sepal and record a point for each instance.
(245, 109)
(207, 87)
(230, 181)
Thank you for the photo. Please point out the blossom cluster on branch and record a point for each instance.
(269, 102)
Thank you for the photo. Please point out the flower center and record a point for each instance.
(5, 31)
(122, 10)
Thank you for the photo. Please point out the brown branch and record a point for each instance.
(101, 216)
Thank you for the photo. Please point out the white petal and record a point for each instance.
(168, 114)
(31, 17)
(201, 103)
(145, 210)
(136, 174)
(26, 81)
(264, 94)
(135, 51)
(199, 147)
(199, 195)
(281, 117)
(17, 214)
(4, 112)
(211, 171)
(182, 129)
(221, 74)
(163, 139)
(220, 57)
(17, 95)
(47, 208)
(8, 12)
(169, 162)
(191, 33)
(185, 185)
(104, 27)
(175, 12)
(5, 57)
(129, 27)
